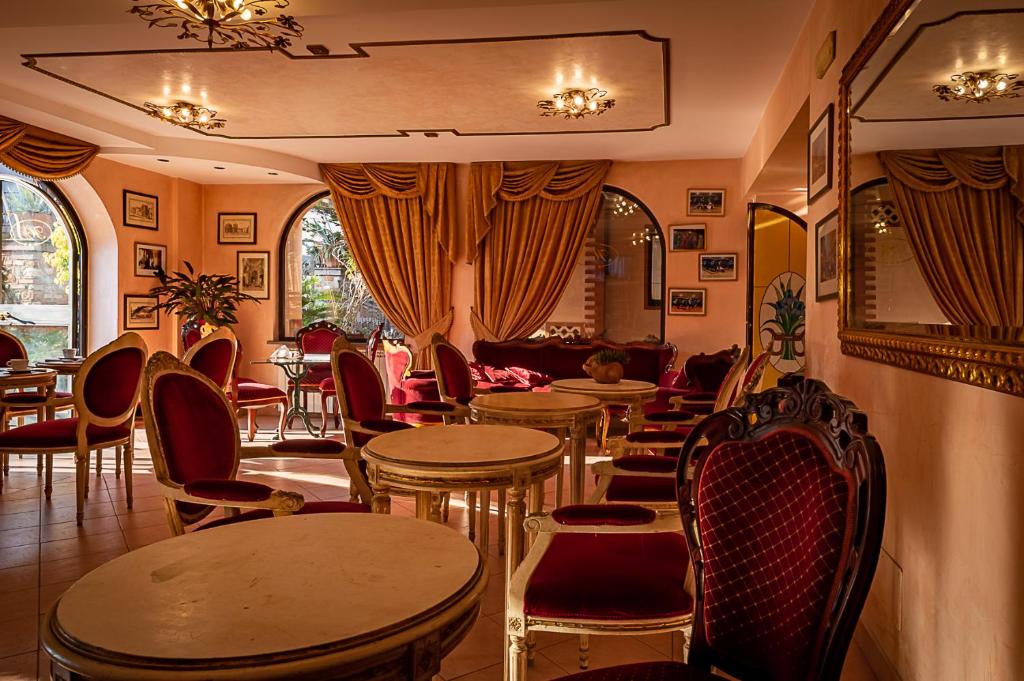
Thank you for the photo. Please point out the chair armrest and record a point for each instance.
(235, 494)
(658, 467)
(687, 402)
(435, 408)
(606, 519)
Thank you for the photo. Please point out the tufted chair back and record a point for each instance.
(454, 378)
(784, 517)
(214, 356)
(318, 337)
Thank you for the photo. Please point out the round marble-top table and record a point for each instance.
(45, 382)
(549, 411)
(324, 596)
(628, 393)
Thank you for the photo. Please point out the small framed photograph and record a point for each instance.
(149, 259)
(254, 273)
(717, 267)
(139, 314)
(236, 228)
(705, 202)
(688, 237)
(819, 155)
(141, 210)
(826, 257)
(687, 301)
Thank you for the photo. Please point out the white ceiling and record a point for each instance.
(724, 61)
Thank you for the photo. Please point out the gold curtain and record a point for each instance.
(964, 214)
(40, 153)
(398, 219)
(528, 222)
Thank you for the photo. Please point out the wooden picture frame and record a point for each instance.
(820, 154)
(705, 202)
(718, 266)
(134, 319)
(140, 210)
(826, 253)
(145, 263)
(236, 228)
(688, 237)
(254, 273)
(691, 302)
(654, 259)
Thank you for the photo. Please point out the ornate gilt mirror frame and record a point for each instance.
(985, 364)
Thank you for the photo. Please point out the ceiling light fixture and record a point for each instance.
(229, 23)
(186, 115)
(640, 238)
(575, 103)
(620, 205)
(979, 87)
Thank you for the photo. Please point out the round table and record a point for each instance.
(63, 366)
(296, 368)
(325, 596)
(629, 393)
(461, 458)
(45, 382)
(567, 411)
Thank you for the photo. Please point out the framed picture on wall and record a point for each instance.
(688, 237)
(141, 210)
(705, 202)
(687, 301)
(819, 155)
(254, 273)
(826, 257)
(717, 267)
(139, 314)
(149, 259)
(236, 228)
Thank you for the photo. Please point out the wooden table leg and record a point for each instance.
(485, 522)
(381, 502)
(423, 504)
(577, 460)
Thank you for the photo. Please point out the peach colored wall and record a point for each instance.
(956, 480)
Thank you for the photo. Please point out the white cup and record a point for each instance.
(70, 353)
(18, 364)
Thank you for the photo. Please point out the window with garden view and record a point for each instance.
(39, 267)
(321, 278)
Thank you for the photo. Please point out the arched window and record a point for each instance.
(617, 289)
(42, 267)
(319, 277)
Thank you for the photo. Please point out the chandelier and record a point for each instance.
(979, 87)
(576, 103)
(622, 206)
(646, 236)
(186, 115)
(233, 23)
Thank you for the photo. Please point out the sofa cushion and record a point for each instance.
(560, 359)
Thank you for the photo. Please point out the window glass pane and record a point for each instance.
(37, 255)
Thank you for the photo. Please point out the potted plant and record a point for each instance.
(210, 299)
(606, 366)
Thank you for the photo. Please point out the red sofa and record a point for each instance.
(557, 358)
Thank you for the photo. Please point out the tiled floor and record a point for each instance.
(42, 552)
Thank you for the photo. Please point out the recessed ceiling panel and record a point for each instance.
(464, 87)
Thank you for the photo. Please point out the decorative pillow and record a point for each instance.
(529, 377)
(502, 376)
(478, 371)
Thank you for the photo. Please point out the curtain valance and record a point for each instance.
(40, 153)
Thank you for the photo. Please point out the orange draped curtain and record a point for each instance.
(964, 214)
(40, 153)
(398, 219)
(527, 225)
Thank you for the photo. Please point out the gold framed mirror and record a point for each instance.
(931, 192)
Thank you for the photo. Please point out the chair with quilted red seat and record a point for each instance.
(784, 516)
(105, 396)
(700, 378)
(214, 357)
(249, 395)
(405, 384)
(364, 410)
(316, 339)
(196, 448)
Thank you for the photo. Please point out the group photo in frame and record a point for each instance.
(688, 301)
(710, 202)
(717, 266)
(687, 237)
(826, 257)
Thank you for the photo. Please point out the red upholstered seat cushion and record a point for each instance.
(251, 391)
(228, 490)
(668, 416)
(611, 577)
(309, 507)
(641, 488)
(59, 433)
(647, 464)
(644, 671)
(430, 405)
(321, 445)
(315, 375)
(649, 436)
(603, 514)
(774, 532)
(381, 426)
(327, 386)
(31, 398)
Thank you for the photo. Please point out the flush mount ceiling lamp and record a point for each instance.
(575, 103)
(979, 87)
(230, 23)
(622, 206)
(186, 115)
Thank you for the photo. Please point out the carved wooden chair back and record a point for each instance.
(106, 388)
(753, 378)
(318, 337)
(191, 427)
(214, 356)
(454, 378)
(727, 392)
(359, 386)
(373, 343)
(11, 347)
(783, 517)
(191, 333)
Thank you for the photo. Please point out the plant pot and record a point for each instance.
(604, 373)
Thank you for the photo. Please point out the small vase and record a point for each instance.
(604, 373)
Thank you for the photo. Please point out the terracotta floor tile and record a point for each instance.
(58, 501)
(19, 667)
(14, 521)
(70, 529)
(73, 568)
(148, 503)
(49, 594)
(18, 604)
(84, 545)
(16, 556)
(138, 519)
(605, 651)
(19, 537)
(482, 647)
(92, 509)
(19, 636)
(142, 536)
(18, 506)
(19, 578)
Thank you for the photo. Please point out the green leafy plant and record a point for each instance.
(210, 298)
(608, 356)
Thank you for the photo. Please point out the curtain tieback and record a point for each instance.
(421, 341)
(481, 330)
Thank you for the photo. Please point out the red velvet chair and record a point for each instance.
(214, 357)
(249, 395)
(105, 397)
(405, 384)
(191, 333)
(364, 411)
(193, 438)
(784, 516)
(700, 378)
(316, 339)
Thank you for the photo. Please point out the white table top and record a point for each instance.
(462, 446)
(589, 385)
(310, 358)
(531, 402)
(268, 586)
